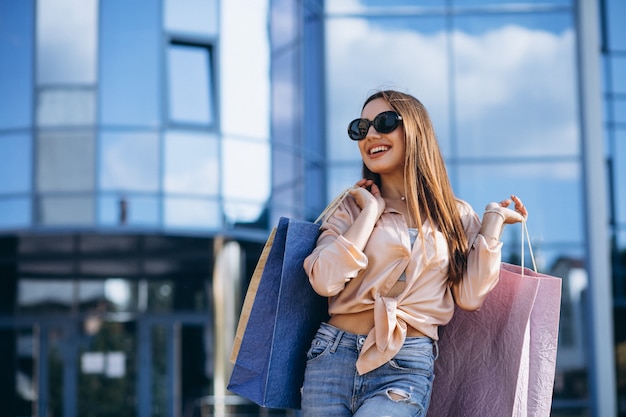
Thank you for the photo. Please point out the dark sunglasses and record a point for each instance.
(385, 122)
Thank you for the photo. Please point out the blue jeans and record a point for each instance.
(333, 388)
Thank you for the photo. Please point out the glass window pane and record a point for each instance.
(59, 107)
(619, 175)
(195, 16)
(542, 186)
(16, 212)
(191, 163)
(618, 74)
(129, 94)
(619, 110)
(190, 213)
(190, 84)
(107, 356)
(357, 44)
(615, 12)
(129, 161)
(16, 71)
(66, 41)
(131, 210)
(351, 6)
(246, 190)
(515, 79)
(516, 3)
(107, 295)
(35, 295)
(65, 161)
(64, 211)
(237, 104)
(15, 163)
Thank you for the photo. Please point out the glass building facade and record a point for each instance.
(147, 147)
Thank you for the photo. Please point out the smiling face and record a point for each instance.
(382, 153)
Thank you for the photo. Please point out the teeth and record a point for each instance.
(378, 149)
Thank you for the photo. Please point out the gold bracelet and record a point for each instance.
(497, 212)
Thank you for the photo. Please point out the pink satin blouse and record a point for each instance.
(357, 281)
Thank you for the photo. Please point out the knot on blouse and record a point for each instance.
(385, 340)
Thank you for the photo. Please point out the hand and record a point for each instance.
(510, 216)
(367, 195)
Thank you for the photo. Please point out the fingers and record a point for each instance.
(518, 213)
(519, 206)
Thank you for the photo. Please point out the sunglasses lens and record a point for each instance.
(358, 128)
(386, 122)
(383, 123)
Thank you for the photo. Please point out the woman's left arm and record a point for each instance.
(484, 257)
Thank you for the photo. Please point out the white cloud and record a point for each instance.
(515, 87)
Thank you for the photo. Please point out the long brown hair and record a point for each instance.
(427, 187)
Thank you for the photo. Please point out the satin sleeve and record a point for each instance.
(483, 264)
(335, 260)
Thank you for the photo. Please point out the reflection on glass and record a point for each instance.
(542, 186)
(618, 73)
(351, 6)
(129, 161)
(57, 339)
(65, 211)
(66, 41)
(160, 340)
(355, 43)
(16, 43)
(619, 110)
(191, 213)
(571, 379)
(60, 107)
(16, 212)
(45, 296)
(191, 163)
(65, 161)
(515, 83)
(130, 94)
(160, 296)
(26, 380)
(190, 84)
(615, 12)
(510, 2)
(619, 175)
(15, 163)
(128, 209)
(108, 371)
(195, 16)
(245, 190)
(244, 88)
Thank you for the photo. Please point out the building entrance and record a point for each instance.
(101, 367)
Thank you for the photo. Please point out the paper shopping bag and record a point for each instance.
(248, 302)
(284, 317)
(500, 360)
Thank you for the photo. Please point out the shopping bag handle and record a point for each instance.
(332, 206)
(526, 235)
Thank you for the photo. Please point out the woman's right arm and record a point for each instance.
(338, 256)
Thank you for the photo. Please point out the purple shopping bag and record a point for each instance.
(500, 360)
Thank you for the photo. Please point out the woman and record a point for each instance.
(393, 259)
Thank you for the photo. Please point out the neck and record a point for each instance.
(394, 195)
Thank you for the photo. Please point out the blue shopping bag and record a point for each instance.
(285, 315)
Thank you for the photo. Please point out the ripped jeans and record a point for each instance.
(333, 388)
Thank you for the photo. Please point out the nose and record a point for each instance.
(371, 131)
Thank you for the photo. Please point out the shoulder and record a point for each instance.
(469, 217)
(464, 208)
